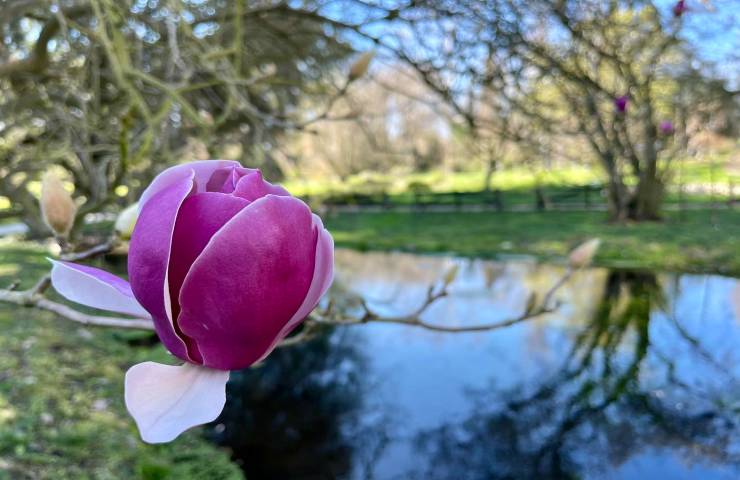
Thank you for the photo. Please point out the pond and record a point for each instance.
(637, 375)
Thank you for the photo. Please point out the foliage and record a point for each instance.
(114, 91)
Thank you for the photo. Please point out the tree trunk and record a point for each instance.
(617, 194)
(643, 203)
(647, 200)
(490, 170)
(648, 196)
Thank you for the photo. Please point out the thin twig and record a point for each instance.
(104, 247)
(433, 294)
(33, 298)
(309, 331)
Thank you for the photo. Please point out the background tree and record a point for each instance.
(606, 72)
(114, 91)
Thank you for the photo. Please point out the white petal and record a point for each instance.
(166, 400)
(95, 288)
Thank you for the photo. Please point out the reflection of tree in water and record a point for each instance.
(289, 417)
(595, 411)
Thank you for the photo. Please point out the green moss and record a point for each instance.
(61, 398)
(695, 241)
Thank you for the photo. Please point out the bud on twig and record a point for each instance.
(679, 8)
(451, 275)
(583, 254)
(57, 207)
(361, 65)
(531, 303)
(126, 220)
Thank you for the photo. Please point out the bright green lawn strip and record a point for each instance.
(697, 241)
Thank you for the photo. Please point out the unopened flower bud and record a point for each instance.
(126, 220)
(361, 65)
(57, 207)
(621, 102)
(666, 127)
(679, 8)
(451, 275)
(583, 254)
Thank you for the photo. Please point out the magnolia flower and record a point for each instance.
(226, 265)
(666, 127)
(620, 103)
(679, 8)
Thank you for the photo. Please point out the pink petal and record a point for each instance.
(166, 400)
(322, 278)
(200, 216)
(224, 179)
(149, 254)
(202, 174)
(252, 186)
(95, 288)
(249, 281)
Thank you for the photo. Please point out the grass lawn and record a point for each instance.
(510, 178)
(695, 241)
(61, 398)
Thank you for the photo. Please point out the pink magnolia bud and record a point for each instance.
(57, 207)
(620, 103)
(666, 127)
(583, 254)
(361, 65)
(679, 8)
(226, 265)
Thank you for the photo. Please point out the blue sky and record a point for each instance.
(712, 27)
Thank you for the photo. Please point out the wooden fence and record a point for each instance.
(585, 197)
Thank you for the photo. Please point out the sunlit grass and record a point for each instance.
(715, 171)
(439, 181)
(695, 241)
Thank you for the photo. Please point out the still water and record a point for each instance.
(637, 375)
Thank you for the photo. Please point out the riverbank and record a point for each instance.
(702, 241)
(61, 394)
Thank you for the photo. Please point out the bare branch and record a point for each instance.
(33, 298)
(532, 311)
(103, 248)
(38, 60)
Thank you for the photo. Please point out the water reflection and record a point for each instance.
(295, 415)
(636, 376)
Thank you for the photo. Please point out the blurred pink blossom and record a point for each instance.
(679, 8)
(620, 103)
(666, 127)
